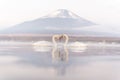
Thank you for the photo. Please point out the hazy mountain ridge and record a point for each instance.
(58, 22)
(58, 19)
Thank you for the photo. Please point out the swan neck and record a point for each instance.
(66, 39)
(53, 40)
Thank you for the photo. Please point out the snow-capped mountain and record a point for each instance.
(59, 21)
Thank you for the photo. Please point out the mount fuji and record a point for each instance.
(59, 21)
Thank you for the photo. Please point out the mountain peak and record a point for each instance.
(59, 21)
(62, 13)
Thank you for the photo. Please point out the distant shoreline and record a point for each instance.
(37, 37)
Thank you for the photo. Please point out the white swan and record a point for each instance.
(46, 46)
(73, 46)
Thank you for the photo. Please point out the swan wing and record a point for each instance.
(42, 43)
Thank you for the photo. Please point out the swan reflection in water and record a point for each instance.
(60, 54)
(59, 47)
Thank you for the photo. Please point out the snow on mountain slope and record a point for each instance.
(62, 13)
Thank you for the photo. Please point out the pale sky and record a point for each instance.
(105, 12)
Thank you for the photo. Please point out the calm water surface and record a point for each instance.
(23, 61)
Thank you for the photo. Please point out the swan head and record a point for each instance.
(60, 38)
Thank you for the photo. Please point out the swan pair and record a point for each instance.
(57, 40)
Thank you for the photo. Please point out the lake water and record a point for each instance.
(23, 61)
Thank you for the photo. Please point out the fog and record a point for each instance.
(103, 12)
